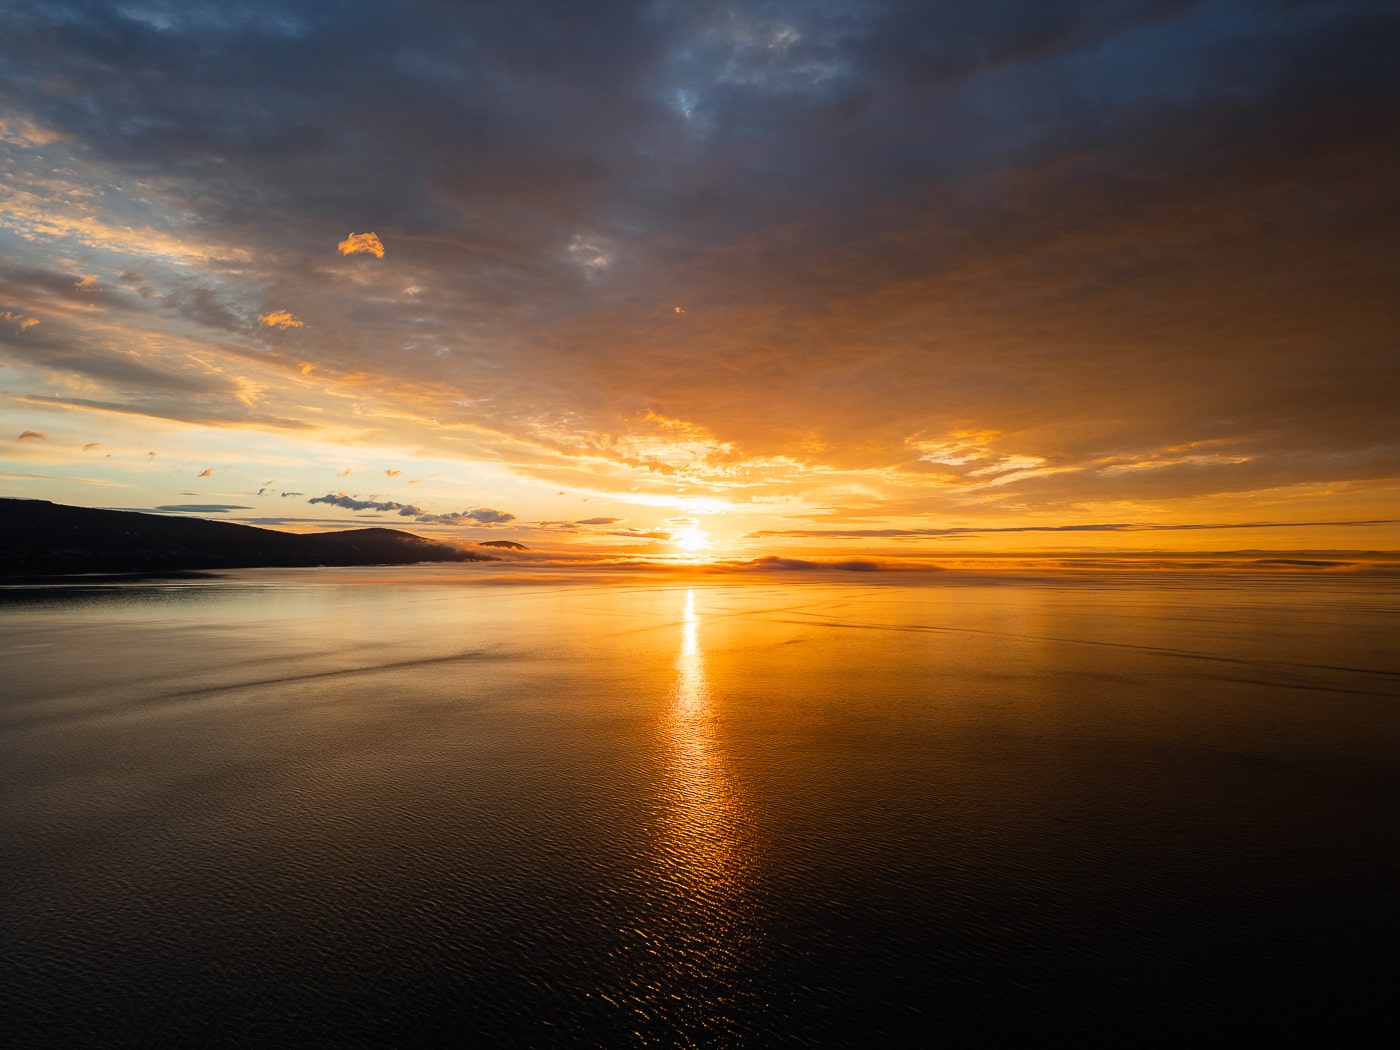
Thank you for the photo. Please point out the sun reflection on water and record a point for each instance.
(705, 857)
(704, 826)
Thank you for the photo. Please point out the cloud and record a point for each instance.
(392, 473)
(91, 446)
(1124, 229)
(18, 320)
(66, 478)
(344, 473)
(201, 508)
(597, 521)
(187, 391)
(867, 534)
(32, 435)
(280, 319)
(350, 503)
(205, 473)
(362, 244)
(478, 516)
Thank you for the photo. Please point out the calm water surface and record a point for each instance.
(376, 807)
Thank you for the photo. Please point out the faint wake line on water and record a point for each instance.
(121, 706)
(1306, 686)
(1159, 650)
(395, 665)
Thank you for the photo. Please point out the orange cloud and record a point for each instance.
(19, 319)
(362, 243)
(90, 446)
(206, 472)
(344, 472)
(678, 309)
(87, 282)
(32, 435)
(392, 473)
(280, 319)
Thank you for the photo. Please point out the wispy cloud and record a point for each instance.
(32, 435)
(201, 508)
(1105, 527)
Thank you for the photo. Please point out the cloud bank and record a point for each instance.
(874, 264)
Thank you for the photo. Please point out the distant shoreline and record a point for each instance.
(40, 540)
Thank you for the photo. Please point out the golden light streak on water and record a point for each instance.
(706, 851)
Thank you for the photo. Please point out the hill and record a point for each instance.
(42, 538)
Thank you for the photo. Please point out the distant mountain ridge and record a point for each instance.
(42, 538)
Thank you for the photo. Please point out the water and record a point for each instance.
(379, 807)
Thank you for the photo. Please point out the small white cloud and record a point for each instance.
(591, 253)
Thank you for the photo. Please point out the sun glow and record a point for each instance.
(690, 539)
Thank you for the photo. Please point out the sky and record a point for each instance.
(710, 279)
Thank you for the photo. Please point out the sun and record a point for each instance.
(691, 539)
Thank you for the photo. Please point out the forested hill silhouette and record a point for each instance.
(38, 538)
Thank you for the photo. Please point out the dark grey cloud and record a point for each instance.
(477, 516)
(351, 503)
(34, 284)
(205, 412)
(56, 348)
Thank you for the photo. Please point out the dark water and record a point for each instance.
(340, 808)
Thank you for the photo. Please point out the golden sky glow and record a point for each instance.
(720, 282)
